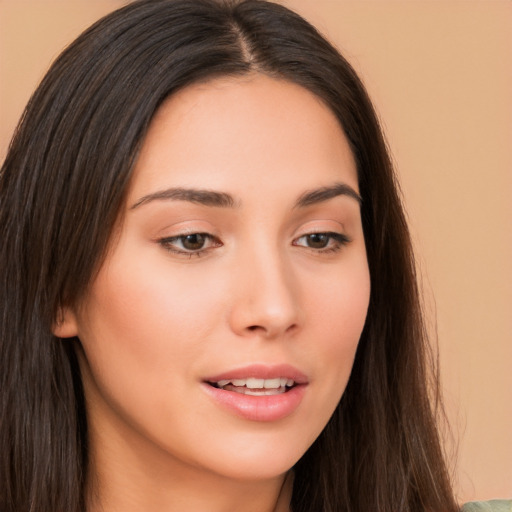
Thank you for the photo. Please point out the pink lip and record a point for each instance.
(259, 408)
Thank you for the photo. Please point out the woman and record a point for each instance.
(207, 280)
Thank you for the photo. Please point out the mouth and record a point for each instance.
(254, 386)
(258, 392)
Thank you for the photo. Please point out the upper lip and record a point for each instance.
(261, 371)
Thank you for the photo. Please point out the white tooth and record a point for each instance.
(238, 382)
(272, 383)
(222, 383)
(290, 383)
(283, 381)
(254, 383)
(253, 392)
(274, 391)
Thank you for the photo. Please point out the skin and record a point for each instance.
(159, 318)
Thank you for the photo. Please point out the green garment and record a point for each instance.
(488, 506)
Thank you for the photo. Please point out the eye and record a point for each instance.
(190, 244)
(322, 242)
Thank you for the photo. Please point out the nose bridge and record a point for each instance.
(266, 298)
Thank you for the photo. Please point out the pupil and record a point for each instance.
(194, 242)
(318, 240)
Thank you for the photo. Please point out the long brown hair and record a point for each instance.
(61, 189)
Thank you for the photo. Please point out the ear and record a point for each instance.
(65, 325)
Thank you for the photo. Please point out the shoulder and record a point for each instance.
(488, 506)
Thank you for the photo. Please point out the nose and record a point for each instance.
(266, 299)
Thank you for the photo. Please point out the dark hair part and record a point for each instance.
(61, 190)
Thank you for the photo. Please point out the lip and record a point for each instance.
(266, 408)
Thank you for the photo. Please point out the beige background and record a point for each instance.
(440, 74)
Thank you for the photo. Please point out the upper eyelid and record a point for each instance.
(333, 233)
(321, 231)
(170, 233)
(183, 235)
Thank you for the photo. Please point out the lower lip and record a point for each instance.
(258, 408)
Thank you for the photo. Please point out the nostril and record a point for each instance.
(269, 331)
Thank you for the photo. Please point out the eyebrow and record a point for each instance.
(322, 194)
(192, 195)
(225, 200)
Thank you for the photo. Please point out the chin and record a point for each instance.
(258, 459)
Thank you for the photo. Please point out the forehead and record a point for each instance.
(242, 132)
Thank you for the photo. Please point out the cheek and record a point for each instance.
(144, 306)
(341, 304)
(142, 332)
(145, 329)
(339, 313)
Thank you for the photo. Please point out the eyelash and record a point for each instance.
(169, 244)
(336, 241)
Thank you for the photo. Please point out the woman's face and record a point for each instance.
(220, 332)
